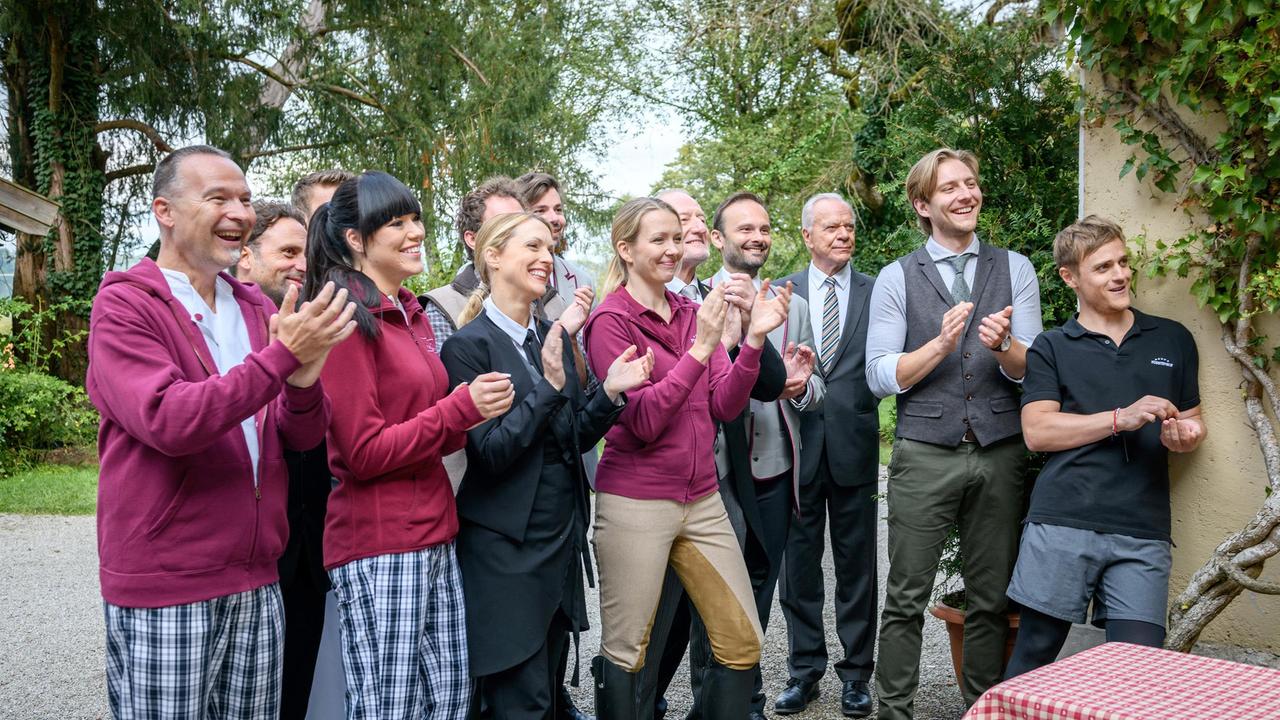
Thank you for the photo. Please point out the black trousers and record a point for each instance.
(529, 690)
(852, 511)
(303, 626)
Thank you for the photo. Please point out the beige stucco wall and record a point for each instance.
(1217, 489)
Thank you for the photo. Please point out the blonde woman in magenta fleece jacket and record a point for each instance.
(657, 499)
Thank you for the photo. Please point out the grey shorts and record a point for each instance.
(1060, 569)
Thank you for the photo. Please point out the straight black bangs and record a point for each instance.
(381, 197)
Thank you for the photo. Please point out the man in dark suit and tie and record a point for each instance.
(838, 471)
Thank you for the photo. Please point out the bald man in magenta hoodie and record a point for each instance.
(200, 385)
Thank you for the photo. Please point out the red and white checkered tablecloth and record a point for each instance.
(1118, 681)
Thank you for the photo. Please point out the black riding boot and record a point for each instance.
(616, 691)
(726, 694)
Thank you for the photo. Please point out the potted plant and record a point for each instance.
(949, 604)
(949, 598)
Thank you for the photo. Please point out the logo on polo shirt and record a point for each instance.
(1162, 361)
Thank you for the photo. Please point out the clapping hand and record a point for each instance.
(799, 361)
(627, 372)
(311, 330)
(740, 293)
(553, 355)
(711, 318)
(575, 316)
(995, 327)
(953, 327)
(770, 311)
(732, 334)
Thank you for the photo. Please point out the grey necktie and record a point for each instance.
(959, 286)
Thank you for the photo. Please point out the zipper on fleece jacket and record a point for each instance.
(688, 487)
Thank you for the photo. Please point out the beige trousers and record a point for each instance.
(635, 542)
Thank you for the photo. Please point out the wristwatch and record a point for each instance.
(1006, 343)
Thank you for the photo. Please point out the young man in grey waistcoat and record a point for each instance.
(948, 335)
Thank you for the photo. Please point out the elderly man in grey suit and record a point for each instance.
(837, 474)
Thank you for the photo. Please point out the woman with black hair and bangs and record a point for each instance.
(391, 522)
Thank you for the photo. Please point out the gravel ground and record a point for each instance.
(52, 661)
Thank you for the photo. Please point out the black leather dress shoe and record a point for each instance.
(795, 697)
(855, 699)
(756, 715)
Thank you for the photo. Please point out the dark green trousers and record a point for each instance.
(932, 488)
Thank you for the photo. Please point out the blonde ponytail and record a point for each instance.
(475, 302)
(614, 276)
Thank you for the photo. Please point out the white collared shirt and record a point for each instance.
(818, 298)
(224, 332)
(678, 286)
(512, 329)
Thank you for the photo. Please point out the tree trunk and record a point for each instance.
(291, 66)
(51, 60)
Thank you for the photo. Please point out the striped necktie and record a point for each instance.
(830, 325)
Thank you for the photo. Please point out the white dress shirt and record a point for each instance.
(224, 332)
(818, 298)
(513, 330)
(686, 289)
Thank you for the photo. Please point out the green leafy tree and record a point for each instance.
(868, 86)
(439, 94)
(926, 78)
(1156, 60)
(763, 114)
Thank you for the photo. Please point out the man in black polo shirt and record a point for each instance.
(1107, 395)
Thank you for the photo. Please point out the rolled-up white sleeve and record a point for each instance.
(1026, 322)
(887, 330)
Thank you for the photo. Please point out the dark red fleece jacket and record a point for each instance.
(179, 518)
(394, 419)
(662, 447)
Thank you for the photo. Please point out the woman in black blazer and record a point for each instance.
(523, 504)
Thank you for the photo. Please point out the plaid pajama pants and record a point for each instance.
(218, 658)
(404, 640)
